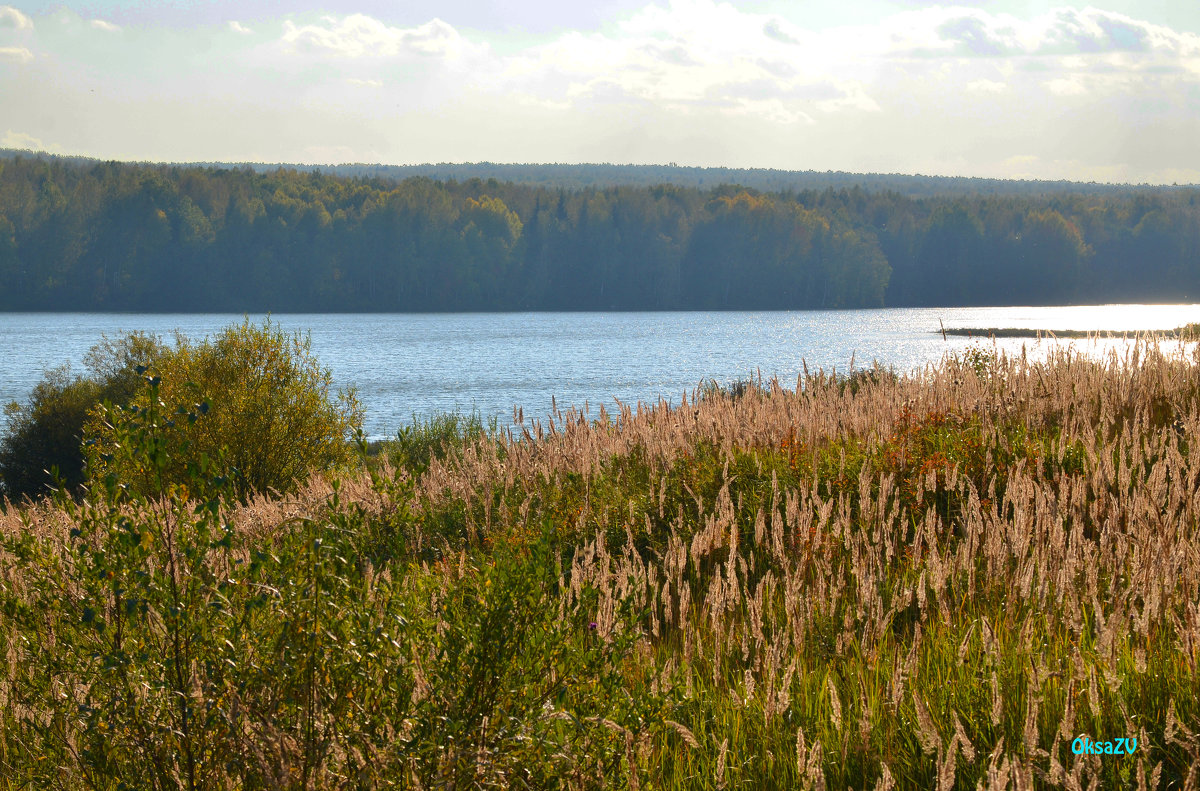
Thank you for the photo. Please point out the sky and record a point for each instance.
(994, 88)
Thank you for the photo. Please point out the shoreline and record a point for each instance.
(1188, 332)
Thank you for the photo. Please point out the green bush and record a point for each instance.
(44, 434)
(274, 415)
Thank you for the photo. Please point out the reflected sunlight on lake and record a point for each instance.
(420, 364)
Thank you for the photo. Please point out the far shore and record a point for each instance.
(1188, 332)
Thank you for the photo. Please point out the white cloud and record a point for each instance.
(15, 54)
(107, 27)
(20, 140)
(853, 96)
(986, 86)
(1062, 31)
(1066, 86)
(772, 110)
(695, 56)
(937, 89)
(1093, 30)
(12, 18)
(358, 36)
(782, 31)
(979, 34)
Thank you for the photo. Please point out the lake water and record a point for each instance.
(420, 364)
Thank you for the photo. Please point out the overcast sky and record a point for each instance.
(1005, 88)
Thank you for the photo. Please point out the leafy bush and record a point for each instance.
(276, 416)
(44, 434)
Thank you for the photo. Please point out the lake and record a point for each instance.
(407, 365)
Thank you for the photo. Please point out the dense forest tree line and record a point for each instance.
(600, 175)
(86, 235)
(573, 176)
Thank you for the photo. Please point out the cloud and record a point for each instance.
(21, 141)
(12, 18)
(955, 31)
(358, 36)
(1066, 86)
(987, 86)
(773, 110)
(852, 96)
(1093, 30)
(107, 27)
(774, 29)
(15, 54)
(934, 88)
(694, 57)
(977, 35)
(702, 59)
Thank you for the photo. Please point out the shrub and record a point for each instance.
(274, 416)
(44, 434)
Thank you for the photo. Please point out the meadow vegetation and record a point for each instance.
(938, 580)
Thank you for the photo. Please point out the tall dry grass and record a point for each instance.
(938, 580)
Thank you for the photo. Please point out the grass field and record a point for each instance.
(935, 581)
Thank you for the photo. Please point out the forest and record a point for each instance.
(84, 235)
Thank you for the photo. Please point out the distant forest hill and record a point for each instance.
(80, 234)
(574, 177)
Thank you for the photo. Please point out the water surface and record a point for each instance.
(420, 364)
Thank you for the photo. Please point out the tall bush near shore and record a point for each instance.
(275, 414)
(41, 448)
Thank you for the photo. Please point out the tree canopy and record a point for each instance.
(85, 235)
